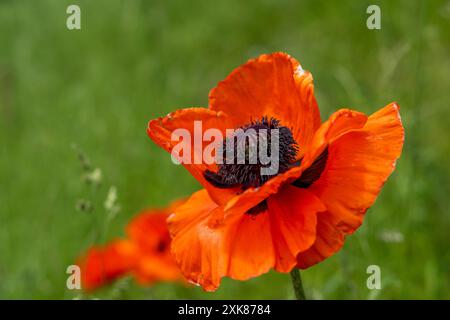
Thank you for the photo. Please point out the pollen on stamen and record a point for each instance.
(249, 174)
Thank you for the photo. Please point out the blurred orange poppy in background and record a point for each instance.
(243, 224)
(145, 254)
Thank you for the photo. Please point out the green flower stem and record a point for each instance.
(297, 284)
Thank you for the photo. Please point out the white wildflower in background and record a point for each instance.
(110, 204)
(94, 177)
(391, 236)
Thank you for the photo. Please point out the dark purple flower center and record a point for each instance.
(245, 144)
(243, 155)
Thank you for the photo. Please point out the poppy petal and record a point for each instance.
(252, 252)
(358, 165)
(161, 130)
(148, 230)
(293, 222)
(199, 250)
(251, 197)
(241, 248)
(339, 123)
(272, 85)
(92, 270)
(151, 268)
(102, 265)
(329, 240)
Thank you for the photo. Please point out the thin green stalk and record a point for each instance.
(297, 284)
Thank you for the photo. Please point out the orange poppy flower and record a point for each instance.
(145, 254)
(102, 265)
(242, 224)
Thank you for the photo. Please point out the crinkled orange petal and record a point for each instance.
(340, 122)
(161, 130)
(359, 162)
(241, 248)
(245, 245)
(329, 240)
(293, 222)
(251, 250)
(253, 196)
(199, 250)
(272, 85)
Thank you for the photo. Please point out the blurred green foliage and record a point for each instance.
(135, 60)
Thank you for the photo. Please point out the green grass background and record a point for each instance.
(136, 60)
